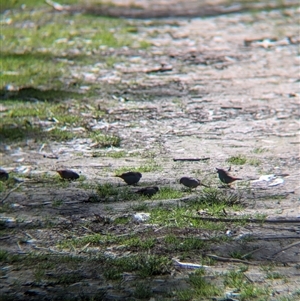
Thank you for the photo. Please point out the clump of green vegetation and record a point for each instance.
(27, 119)
(201, 287)
(166, 193)
(140, 207)
(259, 150)
(57, 203)
(105, 140)
(247, 289)
(254, 162)
(147, 167)
(240, 255)
(49, 49)
(237, 160)
(181, 217)
(146, 265)
(215, 197)
(142, 291)
(109, 192)
(184, 244)
(116, 155)
(122, 220)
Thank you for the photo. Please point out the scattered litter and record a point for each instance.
(16, 205)
(141, 217)
(23, 169)
(188, 265)
(9, 222)
(266, 178)
(31, 241)
(233, 294)
(230, 233)
(277, 182)
(244, 236)
(272, 179)
(20, 160)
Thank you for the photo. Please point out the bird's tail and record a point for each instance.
(204, 185)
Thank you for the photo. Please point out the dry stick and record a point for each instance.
(252, 220)
(85, 247)
(7, 195)
(252, 252)
(89, 230)
(273, 228)
(226, 259)
(191, 159)
(285, 248)
(273, 237)
(250, 236)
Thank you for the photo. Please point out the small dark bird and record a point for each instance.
(68, 174)
(130, 177)
(225, 177)
(3, 175)
(191, 182)
(148, 191)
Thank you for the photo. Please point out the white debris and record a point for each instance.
(277, 182)
(266, 178)
(141, 217)
(188, 265)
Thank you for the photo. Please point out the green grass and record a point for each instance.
(110, 154)
(202, 287)
(49, 51)
(16, 4)
(247, 289)
(142, 291)
(50, 120)
(215, 198)
(237, 160)
(147, 167)
(110, 192)
(186, 244)
(254, 162)
(104, 140)
(167, 193)
(146, 265)
(259, 150)
(240, 255)
(179, 217)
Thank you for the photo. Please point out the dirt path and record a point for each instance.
(231, 89)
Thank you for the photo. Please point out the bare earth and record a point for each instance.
(232, 89)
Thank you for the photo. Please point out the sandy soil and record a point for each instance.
(232, 88)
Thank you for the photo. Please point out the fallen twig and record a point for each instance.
(191, 159)
(252, 252)
(226, 259)
(252, 220)
(285, 248)
(231, 107)
(7, 195)
(5, 237)
(162, 68)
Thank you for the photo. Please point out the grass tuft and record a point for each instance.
(105, 140)
(237, 160)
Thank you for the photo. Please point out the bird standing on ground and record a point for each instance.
(130, 177)
(191, 182)
(68, 174)
(3, 175)
(225, 177)
(148, 191)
